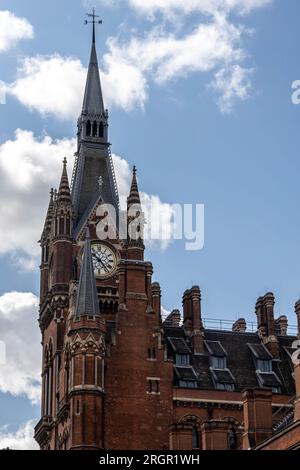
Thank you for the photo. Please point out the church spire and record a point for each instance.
(93, 156)
(64, 193)
(134, 195)
(93, 98)
(49, 216)
(87, 297)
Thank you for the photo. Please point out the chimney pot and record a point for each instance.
(240, 326)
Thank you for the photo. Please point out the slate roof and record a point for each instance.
(269, 379)
(241, 360)
(260, 351)
(185, 373)
(215, 348)
(223, 376)
(179, 345)
(87, 297)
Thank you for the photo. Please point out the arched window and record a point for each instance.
(88, 128)
(193, 423)
(101, 130)
(195, 438)
(95, 129)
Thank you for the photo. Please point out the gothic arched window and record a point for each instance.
(101, 130)
(88, 128)
(95, 127)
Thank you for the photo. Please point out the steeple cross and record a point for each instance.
(93, 21)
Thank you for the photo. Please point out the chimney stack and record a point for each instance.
(281, 325)
(175, 317)
(192, 317)
(264, 310)
(240, 326)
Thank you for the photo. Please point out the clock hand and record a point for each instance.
(101, 262)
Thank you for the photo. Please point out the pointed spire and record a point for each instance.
(64, 192)
(49, 216)
(93, 98)
(134, 195)
(87, 297)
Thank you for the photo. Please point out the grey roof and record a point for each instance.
(260, 351)
(87, 297)
(185, 373)
(222, 376)
(179, 345)
(269, 379)
(240, 360)
(215, 348)
(93, 98)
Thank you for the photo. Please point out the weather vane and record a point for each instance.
(93, 21)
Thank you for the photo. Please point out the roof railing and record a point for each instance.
(226, 325)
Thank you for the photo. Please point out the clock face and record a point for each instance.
(104, 260)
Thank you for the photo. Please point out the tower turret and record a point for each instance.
(135, 221)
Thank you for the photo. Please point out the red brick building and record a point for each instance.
(114, 375)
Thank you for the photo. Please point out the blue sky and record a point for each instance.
(240, 159)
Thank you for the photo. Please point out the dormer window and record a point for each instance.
(266, 377)
(182, 360)
(225, 386)
(187, 384)
(219, 362)
(264, 365)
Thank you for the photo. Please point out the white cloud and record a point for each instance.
(29, 166)
(164, 313)
(22, 439)
(50, 85)
(234, 83)
(20, 333)
(12, 30)
(165, 56)
(159, 216)
(215, 45)
(170, 7)
(54, 85)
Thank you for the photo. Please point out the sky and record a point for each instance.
(199, 96)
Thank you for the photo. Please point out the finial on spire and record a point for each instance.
(134, 196)
(65, 162)
(51, 193)
(93, 22)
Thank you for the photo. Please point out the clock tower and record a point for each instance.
(106, 379)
